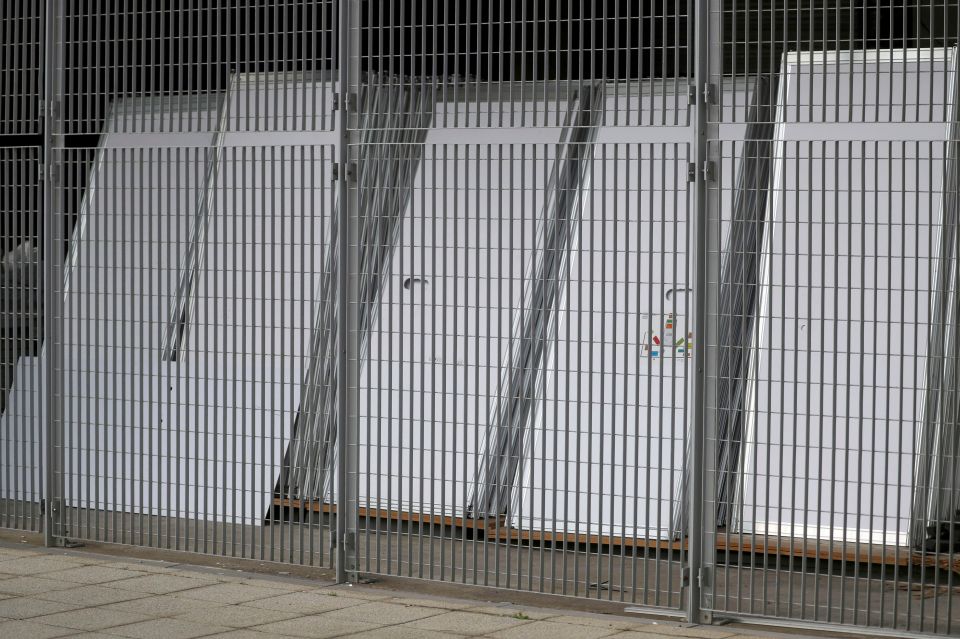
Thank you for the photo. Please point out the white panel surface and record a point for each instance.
(22, 455)
(441, 348)
(119, 450)
(235, 384)
(847, 282)
(609, 440)
(247, 343)
(611, 426)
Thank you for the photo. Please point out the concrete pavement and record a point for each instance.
(59, 593)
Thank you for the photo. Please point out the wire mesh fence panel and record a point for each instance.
(522, 421)
(21, 67)
(836, 490)
(195, 282)
(861, 62)
(506, 287)
(21, 323)
(183, 50)
(516, 64)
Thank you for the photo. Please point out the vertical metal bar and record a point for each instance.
(52, 272)
(701, 512)
(347, 315)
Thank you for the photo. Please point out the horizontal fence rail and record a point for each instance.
(647, 303)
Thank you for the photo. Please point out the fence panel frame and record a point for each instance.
(702, 467)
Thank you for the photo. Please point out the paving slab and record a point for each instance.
(161, 605)
(93, 574)
(98, 596)
(91, 595)
(145, 565)
(234, 593)
(236, 616)
(684, 630)
(430, 603)
(307, 603)
(404, 632)
(167, 629)
(596, 621)
(30, 630)
(318, 627)
(467, 623)
(160, 584)
(383, 612)
(91, 618)
(514, 611)
(638, 634)
(27, 607)
(553, 630)
(37, 565)
(23, 585)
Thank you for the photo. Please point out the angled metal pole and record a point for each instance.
(348, 273)
(701, 533)
(53, 253)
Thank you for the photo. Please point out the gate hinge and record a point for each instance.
(709, 93)
(50, 108)
(704, 578)
(351, 174)
(52, 174)
(708, 171)
(691, 172)
(345, 101)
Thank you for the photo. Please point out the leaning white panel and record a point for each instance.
(255, 301)
(125, 249)
(848, 272)
(451, 299)
(610, 432)
(242, 294)
(611, 426)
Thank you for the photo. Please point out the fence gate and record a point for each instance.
(651, 303)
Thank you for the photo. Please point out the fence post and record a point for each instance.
(53, 254)
(701, 535)
(348, 268)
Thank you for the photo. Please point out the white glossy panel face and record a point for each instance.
(202, 436)
(444, 338)
(610, 426)
(849, 265)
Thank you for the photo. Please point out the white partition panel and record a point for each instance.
(201, 431)
(610, 428)
(21, 433)
(611, 425)
(257, 297)
(121, 271)
(451, 305)
(848, 281)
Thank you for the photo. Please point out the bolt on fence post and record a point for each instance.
(52, 264)
(701, 537)
(348, 364)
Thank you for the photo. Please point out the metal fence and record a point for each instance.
(651, 303)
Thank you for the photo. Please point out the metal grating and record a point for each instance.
(181, 50)
(21, 67)
(651, 303)
(21, 323)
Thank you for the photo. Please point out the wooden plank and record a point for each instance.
(381, 513)
(513, 534)
(783, 546)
